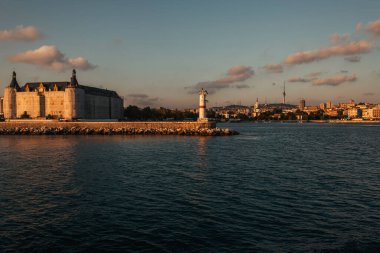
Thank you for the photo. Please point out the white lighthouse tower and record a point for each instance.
(202, 105)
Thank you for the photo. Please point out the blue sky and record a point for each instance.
(150, 51)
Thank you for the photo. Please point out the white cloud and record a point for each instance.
(51, 57)
(21, 33)
(141, 99)
(234, 75)
(273, 68)
(359, 47)
(374, 27)
(335, 80)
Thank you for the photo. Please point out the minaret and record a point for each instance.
(256, 110)
(202, 105)
(256, 104)
(284, 95)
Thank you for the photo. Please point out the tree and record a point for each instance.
(132, 112)
(25, 115)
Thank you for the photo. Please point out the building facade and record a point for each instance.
(354, 113)
(302, 104)
(67, 100)
(374, 113)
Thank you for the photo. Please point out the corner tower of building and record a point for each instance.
(14, 83)
(9, 102)
(73, 99)
(73, 79)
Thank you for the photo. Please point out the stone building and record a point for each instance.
(67, 100)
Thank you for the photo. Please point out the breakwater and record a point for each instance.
(112, 128)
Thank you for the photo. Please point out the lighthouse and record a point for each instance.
(202, 105)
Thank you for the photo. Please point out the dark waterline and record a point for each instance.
(274, 188)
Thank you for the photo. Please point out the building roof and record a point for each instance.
(61, 86)
(47, 85)
(99, 91)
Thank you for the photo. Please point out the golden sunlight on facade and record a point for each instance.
(60, 100)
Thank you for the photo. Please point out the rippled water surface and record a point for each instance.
(274, 188)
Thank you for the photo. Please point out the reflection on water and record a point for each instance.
(202, 151)
(274, 188)
(33, 171)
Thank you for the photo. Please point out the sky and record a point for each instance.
(159, 53)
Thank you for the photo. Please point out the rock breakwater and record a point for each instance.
(115, 131)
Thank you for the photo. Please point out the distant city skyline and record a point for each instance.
(159, 53)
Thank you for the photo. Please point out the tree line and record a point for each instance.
(133, 112)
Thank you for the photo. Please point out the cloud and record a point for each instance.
(141, 99)
(335, 80)
(299, 80)
(337, 39)
(359, 47)
(374, 27)
(308, 78)
(273, 68)
(21, 33)
(81, 63)
(353, 58)
(359, 27)
(51, 57)
(235, 74)
(368, 94)
(240, 73)
(242, 86)
(314, 74)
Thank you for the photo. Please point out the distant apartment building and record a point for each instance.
(332, 113)
(231, 111)
(374, 113)
(310, 109)
(289, 110)
(1, 107)
(363, 106)
(370, 112)
(329, 105)
(191, 110)
(348, 105)
(354, 113)
(302, 104)
(323, 106)
(365, 113)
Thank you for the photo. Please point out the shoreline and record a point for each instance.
(29, 127)
(116, 131)
(309, 121)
